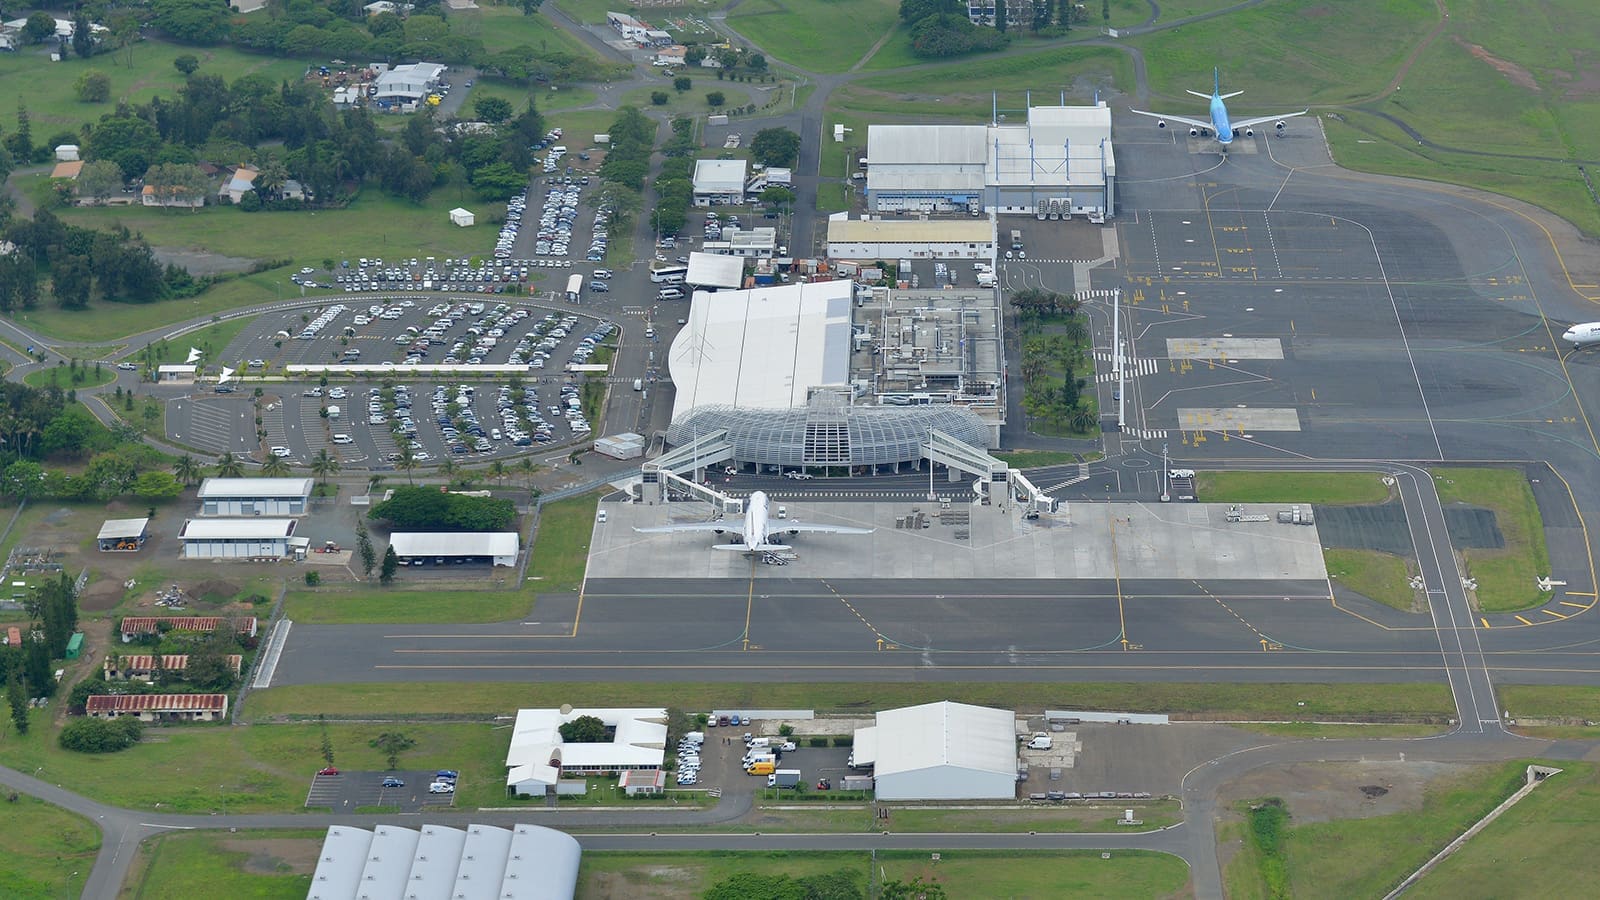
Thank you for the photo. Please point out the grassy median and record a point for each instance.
(1326, 488)
(1506, 575)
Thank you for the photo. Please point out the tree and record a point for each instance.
(20, 142)
(407, 462)
(493, 110)
(428, 509)
(230, 467)
(40, 27)
(391, 564)
(914, 11)
(659, 98)
(776, 147)
(1000, 17)
(275, 467)
(391, 744)
(187, 470)
(682, 84)
(526, 468)
(715, 99)
(497, 471)
(498, 181)
(83, 39)
(18, 699)
(100, 179)
(369, 558)
(916, 888)
(156, 486)
(93, 86)
(324, 464)
(100, 735)
(756, 62)
(778, 196)
(188, 63)
(180, 184)
(584, 730)
(694, 55)
(70, 281)
(327, 742)
(208, 668)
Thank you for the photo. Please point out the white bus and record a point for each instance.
(669, 274)
(574, 288)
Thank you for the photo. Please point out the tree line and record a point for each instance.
(52, 609)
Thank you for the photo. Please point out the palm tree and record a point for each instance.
(373, 481)
(275, 467)
(526, 468)
(228, 466)
(407, 463)
(324, 464)
(187, 470)
(448, 468)
(497, 471)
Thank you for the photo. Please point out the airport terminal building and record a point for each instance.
(826, 374)
(1056, 163)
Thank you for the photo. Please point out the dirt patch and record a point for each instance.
(1318, 792)
(664, 882)
(201, 262)
(1585, 84)
(276, 856)
(100, 596)
(1514, 73)
(214, 590)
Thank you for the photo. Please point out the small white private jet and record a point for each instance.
(757, 530)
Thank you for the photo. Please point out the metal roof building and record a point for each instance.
(497, 547)
(719, 181)
(538, 755)
(715, 270)
(1058, 161)
(896, 239)
(158, 707)
(254, 496)
(236, 538)
(480, 862)
(123, 534)
(941, 751)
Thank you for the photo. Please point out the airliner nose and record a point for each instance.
(1571, 335)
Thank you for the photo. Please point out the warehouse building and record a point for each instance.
(255, 496)
(538, 755)
(896, 239)
(1058, 162)
(479, 862)
(719, 181)
(158, 707)
(941, 751)
(715, 270)
(410, 82)
(455, 548)
(236, 538)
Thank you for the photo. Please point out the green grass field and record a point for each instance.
(1505, 576)
(504, 27)
(53, 105)
(1544, 701)
(693, 102)
(1026, 459)
(210, 864)
(49, 851)
(67, 378)
(213, 339)
(1205, 701)
(1330, 488)
(561, 546)
(964, 873)
(1373, 574)
(789, 30)
(124, 319)
(1367, 857)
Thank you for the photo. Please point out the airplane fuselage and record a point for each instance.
(1219, 121)
(1583, 335)
(755, 522)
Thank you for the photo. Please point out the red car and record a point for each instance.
(328, 771)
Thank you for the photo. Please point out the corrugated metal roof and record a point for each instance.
(254, 488)
(946, 734)
(719, 176)
(497, 543)
(121, 703)
(433, 868)
(542, 865)
(339, 865)
(715, 270)
(136, 625)
(927, 144)
(116, 529)
(932, 231)
(172, 662)
(382, 876)
(639, 740)
(235, 529)
(482, 862)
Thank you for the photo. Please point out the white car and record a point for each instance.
(799, 476)
(127, 367)
(281, 452)
(441, 787)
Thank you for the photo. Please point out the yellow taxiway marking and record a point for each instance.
(1574, 605)
(1485, 623)
(1551, 612)
(1523, 621)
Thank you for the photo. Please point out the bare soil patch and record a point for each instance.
(663, 882)
(276, 856)
(201, 262)
(1514, 73)
(100, 596)
(1318, 792)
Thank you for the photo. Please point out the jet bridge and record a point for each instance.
(959, 456)
(662, 476)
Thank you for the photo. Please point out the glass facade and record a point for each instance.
(822, 436)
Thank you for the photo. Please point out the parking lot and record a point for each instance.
(436, 417)
(722, 755)
(348, 791)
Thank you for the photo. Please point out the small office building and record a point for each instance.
(420, 548)
(236, 538)
(255, 496)
(123, 534)
(175, 373)
(719, 181)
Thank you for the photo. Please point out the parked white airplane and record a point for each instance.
(1584, 335)
(1219, 123)
(757, 529)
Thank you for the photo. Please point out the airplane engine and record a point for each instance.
(1194, 132)
(1249, 132)
(1161, 123)
(1281, 125)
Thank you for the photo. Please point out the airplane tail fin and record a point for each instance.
(1216, 79)
(1198, 94)
(1228, 96)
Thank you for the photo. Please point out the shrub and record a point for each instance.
(817, 742)
(844, 740)
(313, 579)
(785, 730)
(100, 735)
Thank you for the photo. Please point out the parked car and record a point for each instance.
(330, 770)
(393, 782)
(441, 787)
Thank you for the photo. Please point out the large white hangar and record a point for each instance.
(774, 368)
(478, 862)
(940, 751)
(1058, 162)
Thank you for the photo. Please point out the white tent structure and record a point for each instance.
(941, 751)
(462, 217)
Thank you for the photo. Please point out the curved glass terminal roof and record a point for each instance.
(824, 436)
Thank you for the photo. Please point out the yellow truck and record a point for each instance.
(762, 768)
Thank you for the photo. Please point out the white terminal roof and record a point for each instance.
(715, 270)
(117, 529)
(762, 348)
(494, 543)
(236, 529)
(719, 176)
(1056, 145)
(910, 231)
(254, 488)
(913, 738)
(639, 742)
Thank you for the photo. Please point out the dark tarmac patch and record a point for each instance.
(1373, 791)
(1383, 527)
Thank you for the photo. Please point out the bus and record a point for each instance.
(669, 274)
(574, 288)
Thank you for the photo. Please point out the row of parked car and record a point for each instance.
(689, 757)
(513, 223)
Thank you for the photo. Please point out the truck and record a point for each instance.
(784, 778)
(333, 414)
(1039, 741)
(985, 279)
(1016, 239)
(856, 783)
(574, 288)
(765, 767)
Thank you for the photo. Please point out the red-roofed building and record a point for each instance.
(159, 707)
(141, 667)
(135, 626)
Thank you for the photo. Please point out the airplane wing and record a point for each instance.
(790, 526)
(1203, 124)
(719, 527)
(1261, 120)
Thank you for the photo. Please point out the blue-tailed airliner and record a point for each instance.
(1219, 124)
